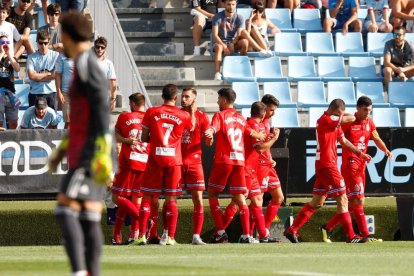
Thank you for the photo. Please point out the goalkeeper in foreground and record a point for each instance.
(87, 148)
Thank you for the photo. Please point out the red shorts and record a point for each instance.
(127, 182)
(268, 178)
(161, 180)
(354, 175)
(193, 177)
(252, 184)
(222, 174)
(329, 182)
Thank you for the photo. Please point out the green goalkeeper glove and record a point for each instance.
(101, 164)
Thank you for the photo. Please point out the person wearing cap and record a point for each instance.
(39, 116)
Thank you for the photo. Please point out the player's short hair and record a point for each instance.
(337, 104)
(169, 91)
(269, 99)
(137, 98)
(400, 28)
(76, 26)
(227, 93)
(192, 89)
(364, 101)
(5, 7)
(257, 109)
(42, 35)
(101, 41)
(53, 8)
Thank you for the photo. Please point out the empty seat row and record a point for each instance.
(300, 68)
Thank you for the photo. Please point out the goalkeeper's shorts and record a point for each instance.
(78, 184)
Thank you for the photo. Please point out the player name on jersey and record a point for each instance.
(235, 119)
(170, 117)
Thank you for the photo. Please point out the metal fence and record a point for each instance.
(106, 23)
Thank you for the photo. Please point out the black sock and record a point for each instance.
(91, 226)
(70, 227)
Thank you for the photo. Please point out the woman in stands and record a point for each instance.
(258, 25)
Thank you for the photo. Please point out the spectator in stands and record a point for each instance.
(23, 22)
(398, 57)
(100, 45)
(258, 25)
(63, 78)
(9, 105)
(39, 116)
(287, 4)
(402, 11)
(41, 71)
(377, 19)
(7, 28)
(53, 27)
(343, 15)
(203, 12)
(67, 5)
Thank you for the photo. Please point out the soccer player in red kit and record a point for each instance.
(329, 181)
(163, 127)
(266, 173)
(228, 165)
(353, 167)
(126, 188)
(252, 148)
(192, 169)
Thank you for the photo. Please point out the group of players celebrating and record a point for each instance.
(161, 154)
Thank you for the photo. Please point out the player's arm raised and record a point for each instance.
(345, 143)
(347, 118)
(380, 144)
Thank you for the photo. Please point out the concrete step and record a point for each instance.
(137, 25)
(163, 74)
(157, 49)
(181, 17)
(130, 3)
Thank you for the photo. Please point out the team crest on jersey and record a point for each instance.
(133, 133)
(334, 118)
(361, 143)
(186, 138)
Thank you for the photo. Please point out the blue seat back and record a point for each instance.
(362, 67)
(288, 43)
(376, 43)
(247, 93)
(314, 114)
(311, 94)
(319, 43)
(342, 90)
(351, 42)
(285, 118)
(301, 66)
(22, 92)
(237, 68)
(386, 117)
(280, 17)
(307, 20)
(409, 117)
(281, 90)
(401, 94)
(331, 67)
(373, 90)
(267, 68)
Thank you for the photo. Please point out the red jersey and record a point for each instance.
(132, 156)
(328, 130)
(166, 124)
(265, 158)
(191, 140)
(358, 133)
(251, 155)
(230, 127)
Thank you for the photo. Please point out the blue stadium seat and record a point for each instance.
(281, 18)
(245, 12)
(301, 68)
(409, 117)
(386, 117)
(320, 44)
(19, 120)
(247, 93)
(410, 38)
(332, 69)
(362, 69)
(268, 69)
(311, 94)
(376, 43)
(401, 94)
(314, 114)
(362, 14)
(237, 68)
(350, 44)
(281, 90)
(22, 92)
(343, 90)
(307, 20)
(61, 124)
(288, 44)
(285, 118)
(373, 90)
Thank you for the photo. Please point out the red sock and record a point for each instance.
(119, 223)
(244, 218)
(304, 215)
(198, 219)
(134, 223)
(347, 225)
(154, 225)
(260, 221)
(144, 215)
(359, 217)
(128, 207)
(271, 213)
(172, 217)
(252, 220)
(229, 214)
(333, 222)
(216, 213)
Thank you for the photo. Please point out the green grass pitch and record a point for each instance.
(315, 259)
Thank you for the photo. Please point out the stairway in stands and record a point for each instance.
(161, 43)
